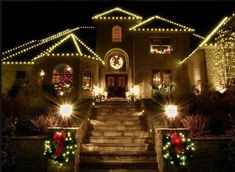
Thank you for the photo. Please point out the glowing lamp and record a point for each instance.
(66, 110)
(42, 73)
(171, 111)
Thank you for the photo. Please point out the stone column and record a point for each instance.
(159, 133)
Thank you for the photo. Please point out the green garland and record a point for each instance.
(60, 147)
(177, 149)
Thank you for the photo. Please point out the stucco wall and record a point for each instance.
(9, 74)
(146, 62)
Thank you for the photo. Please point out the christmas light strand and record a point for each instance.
(163, 19)
(101, 16)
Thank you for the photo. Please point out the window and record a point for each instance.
(87, 80)
(116, 34)
(160, 46)
(162, 80)
(63, 78)
(20, 75)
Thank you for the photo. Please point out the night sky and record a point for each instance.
(24, 21)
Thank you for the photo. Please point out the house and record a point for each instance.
(131, 53)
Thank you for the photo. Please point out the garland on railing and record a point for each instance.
(177, 149)
(60, 147)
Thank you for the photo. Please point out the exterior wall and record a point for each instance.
(104, 43)
(212, 72)
(196, 69)
(9, 74)
(78, 65)
(145, 63)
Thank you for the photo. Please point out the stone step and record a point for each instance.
(117, 139)
(122, 118)
(116, 122)
(112, 148)
(119, 133)
(118, 166)
(117, 110)
(120, 156)
(117, 127)
(127, 114)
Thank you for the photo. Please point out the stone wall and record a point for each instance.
(29, 154)
(196, 69)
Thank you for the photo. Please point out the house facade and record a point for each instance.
(131, 53)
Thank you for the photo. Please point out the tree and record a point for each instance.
(225, 57)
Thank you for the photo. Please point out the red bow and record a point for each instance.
(176, 139)
(59, 139)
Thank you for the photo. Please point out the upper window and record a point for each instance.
(162, 79)
(116, 34)
(87, 80)
(160, 45)
(20, 75)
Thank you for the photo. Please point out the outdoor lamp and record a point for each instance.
(66, 110)
(171, 112)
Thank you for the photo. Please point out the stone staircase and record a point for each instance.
(117, 138)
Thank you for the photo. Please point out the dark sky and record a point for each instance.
(24, 21)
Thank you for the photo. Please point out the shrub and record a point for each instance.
(195, 123)
(7, 152)
(51, 119)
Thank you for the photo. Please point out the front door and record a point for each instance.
(116, 84)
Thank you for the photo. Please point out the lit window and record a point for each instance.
(160, 46)
(62, 78)
(116, 34)
(87, 80)
(162, 80)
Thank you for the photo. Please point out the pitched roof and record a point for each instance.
(157, 23)
(116, 13)
(64, 43)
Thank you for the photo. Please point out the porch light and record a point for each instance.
(66, 110)
(171, 111)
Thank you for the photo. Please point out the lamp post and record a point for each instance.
(171, 112)
(66, 111)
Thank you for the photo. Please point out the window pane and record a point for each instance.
(160, 45)
(156, 79)
(116, 34)
(166, 77)
(87, 81)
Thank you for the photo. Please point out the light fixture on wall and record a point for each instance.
(42, 73)
(171, 113)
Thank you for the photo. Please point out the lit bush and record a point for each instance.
(51, 119)
(195, 123)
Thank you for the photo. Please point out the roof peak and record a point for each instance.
(150, 19)
(104, 14)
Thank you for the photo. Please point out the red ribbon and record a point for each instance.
(176, 139)
(59, 138)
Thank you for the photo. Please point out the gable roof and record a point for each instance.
(157, 23)
(55, 45)
(116, 13)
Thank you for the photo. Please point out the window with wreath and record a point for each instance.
(160, 45)
(162, 81)
(87, 80)
(116, 34)
(62, 78)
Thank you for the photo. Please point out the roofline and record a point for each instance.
(215, 29)
(163, 19)
(99, 16)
